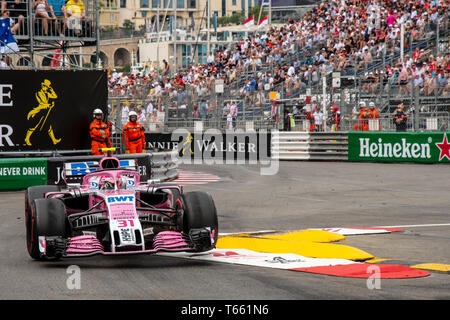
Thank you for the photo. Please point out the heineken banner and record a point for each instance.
(426, 147)
(49, 110)
(16, 174)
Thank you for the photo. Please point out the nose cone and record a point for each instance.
(109, 163)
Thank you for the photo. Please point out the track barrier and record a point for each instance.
(20, 173)
(157, 167)
(164, 167)
(298, 145)
(418, 147)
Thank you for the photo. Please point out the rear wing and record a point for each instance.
(69, 171)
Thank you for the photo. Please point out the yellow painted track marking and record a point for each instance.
(309, 243)
(433, 267)
(304, 248)
(376, 260)
(307, 235)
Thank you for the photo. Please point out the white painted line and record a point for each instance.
(223, 234)
(354, 231)
(197, 179)
(418, 225)
(343, 231)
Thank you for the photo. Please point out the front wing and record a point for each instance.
(198, 240)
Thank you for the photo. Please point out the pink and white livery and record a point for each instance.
(113, 213)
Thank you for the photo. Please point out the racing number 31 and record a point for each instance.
(125, 223)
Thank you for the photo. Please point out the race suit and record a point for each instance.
(100, 133)
(133, 134)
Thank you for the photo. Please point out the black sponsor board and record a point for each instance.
(252, 145)
(63, 170)
(49, 110)
(160, 141)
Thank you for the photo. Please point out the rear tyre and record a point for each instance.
(47, 218)
(199, 212)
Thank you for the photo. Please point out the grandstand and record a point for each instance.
(50, 33)
(379, 51)
(358, 43)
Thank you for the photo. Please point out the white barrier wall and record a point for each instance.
(299, 145)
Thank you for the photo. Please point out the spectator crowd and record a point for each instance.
(334, 36)
(51, 17)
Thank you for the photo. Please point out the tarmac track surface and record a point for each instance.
(301, 195)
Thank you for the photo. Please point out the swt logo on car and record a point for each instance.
(120, 199)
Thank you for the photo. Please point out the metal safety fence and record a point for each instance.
(39, 20)
(166, 121)
(49, 35)
(416, 122)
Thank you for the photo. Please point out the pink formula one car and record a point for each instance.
(112, 213)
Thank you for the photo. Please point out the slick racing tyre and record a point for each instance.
(47, 218)
(199, 212)
(37, 192)
(31, 194)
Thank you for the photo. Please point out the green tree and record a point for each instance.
(237, 18)
(127, 24)
(222, 20)
(254, 11)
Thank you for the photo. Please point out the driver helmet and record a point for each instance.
(122, 182)
(106, 183)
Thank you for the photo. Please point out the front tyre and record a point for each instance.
(36, 192)
(47, 218)
(200, 212)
